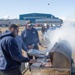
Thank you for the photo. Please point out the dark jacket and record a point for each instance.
(20, 43)
(30, 37)
(10, 57)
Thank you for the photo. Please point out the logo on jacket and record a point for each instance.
(33, 32)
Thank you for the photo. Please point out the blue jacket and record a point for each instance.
(10, 57)
(30, 37)
(20, 44)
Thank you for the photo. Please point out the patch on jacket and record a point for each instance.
(33, 32)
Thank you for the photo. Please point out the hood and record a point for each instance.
(6, 33)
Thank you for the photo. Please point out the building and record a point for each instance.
(49, 21)
(7, 22)
(40, 18)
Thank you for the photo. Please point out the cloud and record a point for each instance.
(9, 17)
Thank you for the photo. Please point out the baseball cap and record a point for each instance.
(30, 24)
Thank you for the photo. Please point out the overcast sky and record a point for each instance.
(59, 8)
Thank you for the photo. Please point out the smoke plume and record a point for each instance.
(65, 32)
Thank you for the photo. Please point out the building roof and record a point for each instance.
(39, 14)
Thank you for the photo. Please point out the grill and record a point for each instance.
(56, 62)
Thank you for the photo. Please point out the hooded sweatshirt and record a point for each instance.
(10, 56)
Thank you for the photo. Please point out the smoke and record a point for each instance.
(65, 32)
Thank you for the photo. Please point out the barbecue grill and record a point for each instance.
(56, 62)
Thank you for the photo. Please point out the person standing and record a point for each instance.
(10, 57)
(30, 37)
(44, 29)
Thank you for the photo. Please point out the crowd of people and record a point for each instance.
(11, 45)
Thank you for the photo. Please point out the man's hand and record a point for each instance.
(32, 61)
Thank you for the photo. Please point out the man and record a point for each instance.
(30, 37)
(10, 57)
(44, 29)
